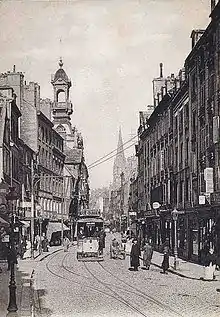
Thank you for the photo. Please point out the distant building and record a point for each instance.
(119, 163)
(123, 169)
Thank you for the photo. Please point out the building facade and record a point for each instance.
(38, 156)
(178, 152)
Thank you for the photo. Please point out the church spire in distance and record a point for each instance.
(119, 163)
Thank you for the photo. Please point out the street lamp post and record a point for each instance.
(71, 230)
(175, 217)
(40, 222)
(12, 306)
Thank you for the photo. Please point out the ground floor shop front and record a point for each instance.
(197, 231)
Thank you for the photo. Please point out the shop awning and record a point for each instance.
(26, 224)
(55, 227)
(95, 220)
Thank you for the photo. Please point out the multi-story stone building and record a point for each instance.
(178, 151)
(37, 155)
(10, 162)
(50, 169)
(203, 73)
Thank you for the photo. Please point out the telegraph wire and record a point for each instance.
(111, 152)
(89, 167)
(100, 160)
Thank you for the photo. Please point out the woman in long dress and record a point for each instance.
(66, 243)
(166, 253)
(210, 265)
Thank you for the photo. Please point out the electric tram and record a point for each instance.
(89, 229)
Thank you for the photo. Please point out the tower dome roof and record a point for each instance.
(60, 73)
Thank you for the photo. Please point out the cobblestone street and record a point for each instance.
(65, 287)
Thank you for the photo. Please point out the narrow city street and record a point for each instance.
(66, 287)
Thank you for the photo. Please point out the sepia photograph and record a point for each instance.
(109, 158)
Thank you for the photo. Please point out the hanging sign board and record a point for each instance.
(201, 200)
(156, 205)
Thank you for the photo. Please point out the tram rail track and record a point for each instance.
(141, 293)
(132, 290)
(121, 300)
(116, 293)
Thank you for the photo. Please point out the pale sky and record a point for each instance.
(111, 50)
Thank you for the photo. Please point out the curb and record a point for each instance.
(176, 272)
(32, 293)
(46, 255)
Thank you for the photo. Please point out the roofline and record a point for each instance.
(41, 115)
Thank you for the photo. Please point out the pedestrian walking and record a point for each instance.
(147, 255)
(210, 265)
(45, 244)
(166, 253)
(123, 239)
(102, 237)
(66, 244)
(135, 253)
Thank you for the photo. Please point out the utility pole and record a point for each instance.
(62, 210)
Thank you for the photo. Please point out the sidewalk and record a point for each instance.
(24, 280)
(185, 269)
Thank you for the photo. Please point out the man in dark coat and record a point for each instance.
(135, 253)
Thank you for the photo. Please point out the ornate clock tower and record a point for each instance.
(62, 106)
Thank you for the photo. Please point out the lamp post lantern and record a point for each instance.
(175, 218)
(12, 306)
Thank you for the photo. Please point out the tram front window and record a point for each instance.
(88, 230)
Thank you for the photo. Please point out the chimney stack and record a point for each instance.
(161, 70)
(212, 5)
(14, 69)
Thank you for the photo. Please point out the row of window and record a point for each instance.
(49, 205)
(51, 184)
(50, 161)
(50, 137)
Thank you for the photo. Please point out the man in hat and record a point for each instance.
(135, 253)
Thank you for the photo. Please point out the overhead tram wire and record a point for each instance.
(94, 163)
(89, 167)
(111, 152)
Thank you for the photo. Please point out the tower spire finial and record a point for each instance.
(61, 62)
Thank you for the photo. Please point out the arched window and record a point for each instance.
(61, 96)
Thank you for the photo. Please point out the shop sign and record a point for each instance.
(208, 176)
(201, 200)
(133, 213)
(26, 204)
(215, 129)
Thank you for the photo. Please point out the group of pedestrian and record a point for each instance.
(136, 252)
(147, 255)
